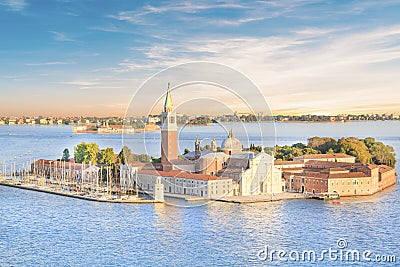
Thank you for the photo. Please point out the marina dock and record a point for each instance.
(66, 193)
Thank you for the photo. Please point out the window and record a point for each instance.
(171, 119)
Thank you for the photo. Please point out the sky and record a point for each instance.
(90, 57)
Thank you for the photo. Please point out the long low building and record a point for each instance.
(342, 178)
(338, 157)
(184, 183)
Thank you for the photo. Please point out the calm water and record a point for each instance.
(38, 229)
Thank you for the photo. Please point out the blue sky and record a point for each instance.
(80, 57)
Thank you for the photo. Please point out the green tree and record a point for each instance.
(308, 150)
(330, 151)
(355, 147)
(144, 158)
(369, 141)
(65, 156)
(206, 147)
(380, 153)
(155, 160)
(323, 144)
(299, 145)
(86, 153)
(125, 156)
(287, 152)
(106, 156)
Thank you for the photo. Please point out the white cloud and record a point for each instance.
(323, 69)
(58, 36)
(189, 11)
(80, 83)
(50, 63)
(14, 5)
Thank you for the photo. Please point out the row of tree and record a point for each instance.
(90, 153)
(366, 150)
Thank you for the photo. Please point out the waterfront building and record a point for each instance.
(338, 157)
(115, 129)
(12, 121)
(79, 128)
(253, 173)
(342, 178)
(185, 183)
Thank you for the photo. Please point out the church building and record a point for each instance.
(209, 173)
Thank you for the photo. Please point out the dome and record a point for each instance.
(231, 145)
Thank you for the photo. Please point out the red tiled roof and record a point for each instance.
(325, 156)
(348, 175)
(346, 165)
(287, 162)
(333, 175)
(292, 169)
(181, 174)
(337, 169)
(316, 175)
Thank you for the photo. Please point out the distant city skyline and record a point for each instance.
(77, 58)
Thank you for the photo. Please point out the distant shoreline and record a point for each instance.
(141, 130)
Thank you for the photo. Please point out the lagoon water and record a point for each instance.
(38, 229)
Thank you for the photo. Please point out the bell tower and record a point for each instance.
(169, 135)
(197, 152)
